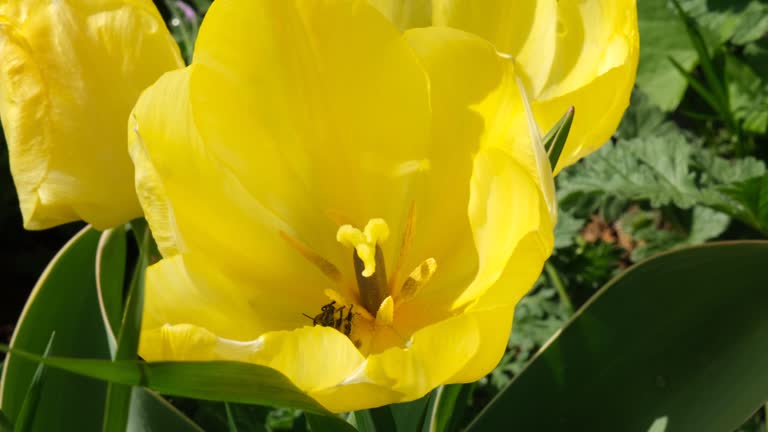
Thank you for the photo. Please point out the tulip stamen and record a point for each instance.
(405, 247)
(325, 266)
(368, 260)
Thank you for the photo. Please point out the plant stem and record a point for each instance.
(554, 277)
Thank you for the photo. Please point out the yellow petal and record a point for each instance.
(71, 72)
(494, 310)
(594, 71)
(510, 178)
(316, 359)
(523, 29)
(405, 14)
(197, 209)
(428, 361)
(319, 117)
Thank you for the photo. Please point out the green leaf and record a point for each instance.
(328, 423)
(554, 140)
(117, 409)
(647, 346)
(450, 404)
(150, 412)
(653, 168)
(231, 425)
(64, 300)
(567, 228)
(410, 416)
(5, 423)
(663, 36)
(748, 94)
(212, 380)
(373, 420)
(29, 408)
(110, 279)
(750, 201)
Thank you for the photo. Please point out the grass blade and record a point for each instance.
(29, 407)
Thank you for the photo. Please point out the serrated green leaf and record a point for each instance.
(647, 347)
(567, 228)
(750, 201)
(654, 169)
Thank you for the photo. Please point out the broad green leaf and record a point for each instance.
(680, 336)
(64, 301)
(117, 409)
(110, 279)
(213, 380)
(5, 423)
(663, 36)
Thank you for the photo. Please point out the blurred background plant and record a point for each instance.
(687, 166)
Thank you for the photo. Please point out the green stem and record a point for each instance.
(554, 277)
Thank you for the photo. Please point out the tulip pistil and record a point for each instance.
(368, 260)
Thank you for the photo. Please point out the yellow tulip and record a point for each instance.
(70, 73)
(570, 53)
(354, 207)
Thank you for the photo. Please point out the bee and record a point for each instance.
(328, 318)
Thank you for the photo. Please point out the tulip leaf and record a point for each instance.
(64, 301)
(110, 275)
(117, 407)
(230, 418)
(5, 423)
(448, 407)
(375, 420)
(411, 416)
(554, 140)
(223, 381)
(29, 408)
(680, 336)
(328, 423)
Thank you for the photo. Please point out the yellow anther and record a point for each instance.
(417, 279)
(364, 242)
(386, 313)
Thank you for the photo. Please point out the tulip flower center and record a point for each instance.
(372, 310)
